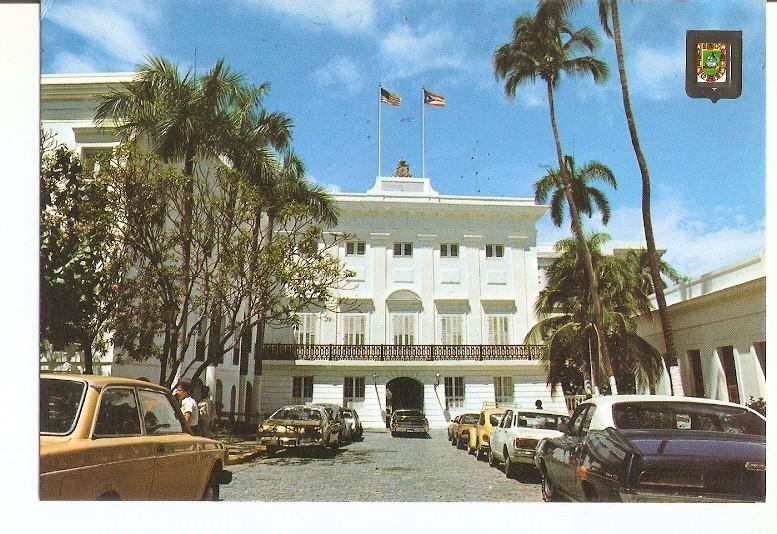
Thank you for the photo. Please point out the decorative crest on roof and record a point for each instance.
(403, 170)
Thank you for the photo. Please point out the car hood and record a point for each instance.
(698, 445)
(290, 422)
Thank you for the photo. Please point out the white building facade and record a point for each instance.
(719, 324)
(433, 317)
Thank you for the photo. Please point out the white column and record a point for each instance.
(379, 280)
(428, 326)
(471, 249)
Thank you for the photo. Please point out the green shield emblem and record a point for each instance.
(710, 60)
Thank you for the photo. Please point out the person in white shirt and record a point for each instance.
(188, 406)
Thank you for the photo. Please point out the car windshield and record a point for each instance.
(545, 421)
(297, 414)
(687, 416)
(409, 413)
(60, 402)
(470, 419)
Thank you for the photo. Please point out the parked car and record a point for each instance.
(514, 442)
(645, 448)
(465, 427)
(110, 438)
(337, 416)
(409, 422)
(299, 427)
(478, 438)
(452, 429)
(354, 424)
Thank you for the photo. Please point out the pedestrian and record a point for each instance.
(188, 406)
(538, 404)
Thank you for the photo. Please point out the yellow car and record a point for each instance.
(110, 438)
(479, 437)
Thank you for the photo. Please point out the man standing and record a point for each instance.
(188, 406)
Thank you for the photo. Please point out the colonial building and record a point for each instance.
(433, 317)
(719, 324)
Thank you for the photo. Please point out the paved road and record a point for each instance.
(380, 468)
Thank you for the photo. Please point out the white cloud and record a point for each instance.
(116, 29)
(345, 16)
(695, 242)
(340, 71)
(65, 62)
(330, 187)
(657, 74)
(409, 52)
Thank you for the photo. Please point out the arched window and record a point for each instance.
(219, 396)
(232, 396)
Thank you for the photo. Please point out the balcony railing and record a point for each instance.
(401, 352)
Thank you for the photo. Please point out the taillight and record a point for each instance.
(485, 438)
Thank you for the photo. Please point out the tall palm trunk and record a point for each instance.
(670, 356)
(261, 328)
(582, 247)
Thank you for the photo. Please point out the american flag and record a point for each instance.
(432, 99)
(389, 98)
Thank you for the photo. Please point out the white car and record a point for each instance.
(514, 441)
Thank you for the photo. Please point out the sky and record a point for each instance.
(325, 59)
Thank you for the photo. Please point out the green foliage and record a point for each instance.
(569, 340)
(759, 405)
(82, 262)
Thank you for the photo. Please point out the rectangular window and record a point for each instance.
(454, 391)
(760, 352)
(498, 329)
(694, 359)
(451, 330)
(302, 388)
(449, 250)
(355, 248)
(354, 329)
(503, 390)
(307, 329)
(403, 328)
(353, 388)
(495, 251)
(403, 249)
(726, 355)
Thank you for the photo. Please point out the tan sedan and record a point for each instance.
(479, 438)
(110, 438)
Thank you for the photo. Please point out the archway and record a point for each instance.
(404, 393)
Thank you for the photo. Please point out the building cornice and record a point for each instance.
(81, 86)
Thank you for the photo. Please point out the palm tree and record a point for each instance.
(566, 329)
(609, 9)
(183, 118)
(585, 197)
(545, 46)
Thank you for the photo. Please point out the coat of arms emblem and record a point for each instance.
(711, 62)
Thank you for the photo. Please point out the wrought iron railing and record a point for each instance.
(401, 352)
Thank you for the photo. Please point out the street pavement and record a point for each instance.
(380, 468)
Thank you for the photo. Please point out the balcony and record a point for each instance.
(410, 353)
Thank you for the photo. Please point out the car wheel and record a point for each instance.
(212, 489)
(271, 449)
(509, 469)
(492, 461)
(548, 488)
(393, 434)
(480, 455)
(590, 494)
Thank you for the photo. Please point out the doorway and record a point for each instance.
(404, 393)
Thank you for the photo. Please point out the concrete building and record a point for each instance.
(719, 324)
(433, 318)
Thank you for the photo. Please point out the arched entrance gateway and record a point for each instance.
(403, 393)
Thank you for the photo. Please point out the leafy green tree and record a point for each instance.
(570, 342)
(544, 46)
(183, 118)
(82, 262)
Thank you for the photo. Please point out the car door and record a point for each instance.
(576, 453)
(177, 474)
(500, 431)
(560, 461)
(118, 461)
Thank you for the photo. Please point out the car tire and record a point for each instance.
(480, 455)
(271, 449)
(455, 441)
(509, 467)
(393, 434)
(212, 492)
(549, 493)
(492, 461)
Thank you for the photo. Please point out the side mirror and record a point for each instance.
(563, 427)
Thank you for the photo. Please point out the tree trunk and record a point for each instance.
(186, 258)
(670, 355)
(582, 247)
(86, 358)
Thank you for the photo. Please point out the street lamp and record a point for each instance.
(437, 377)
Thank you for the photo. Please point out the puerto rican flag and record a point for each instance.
(431, 99)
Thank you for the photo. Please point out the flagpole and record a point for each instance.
(423, 134)
(379, 106)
